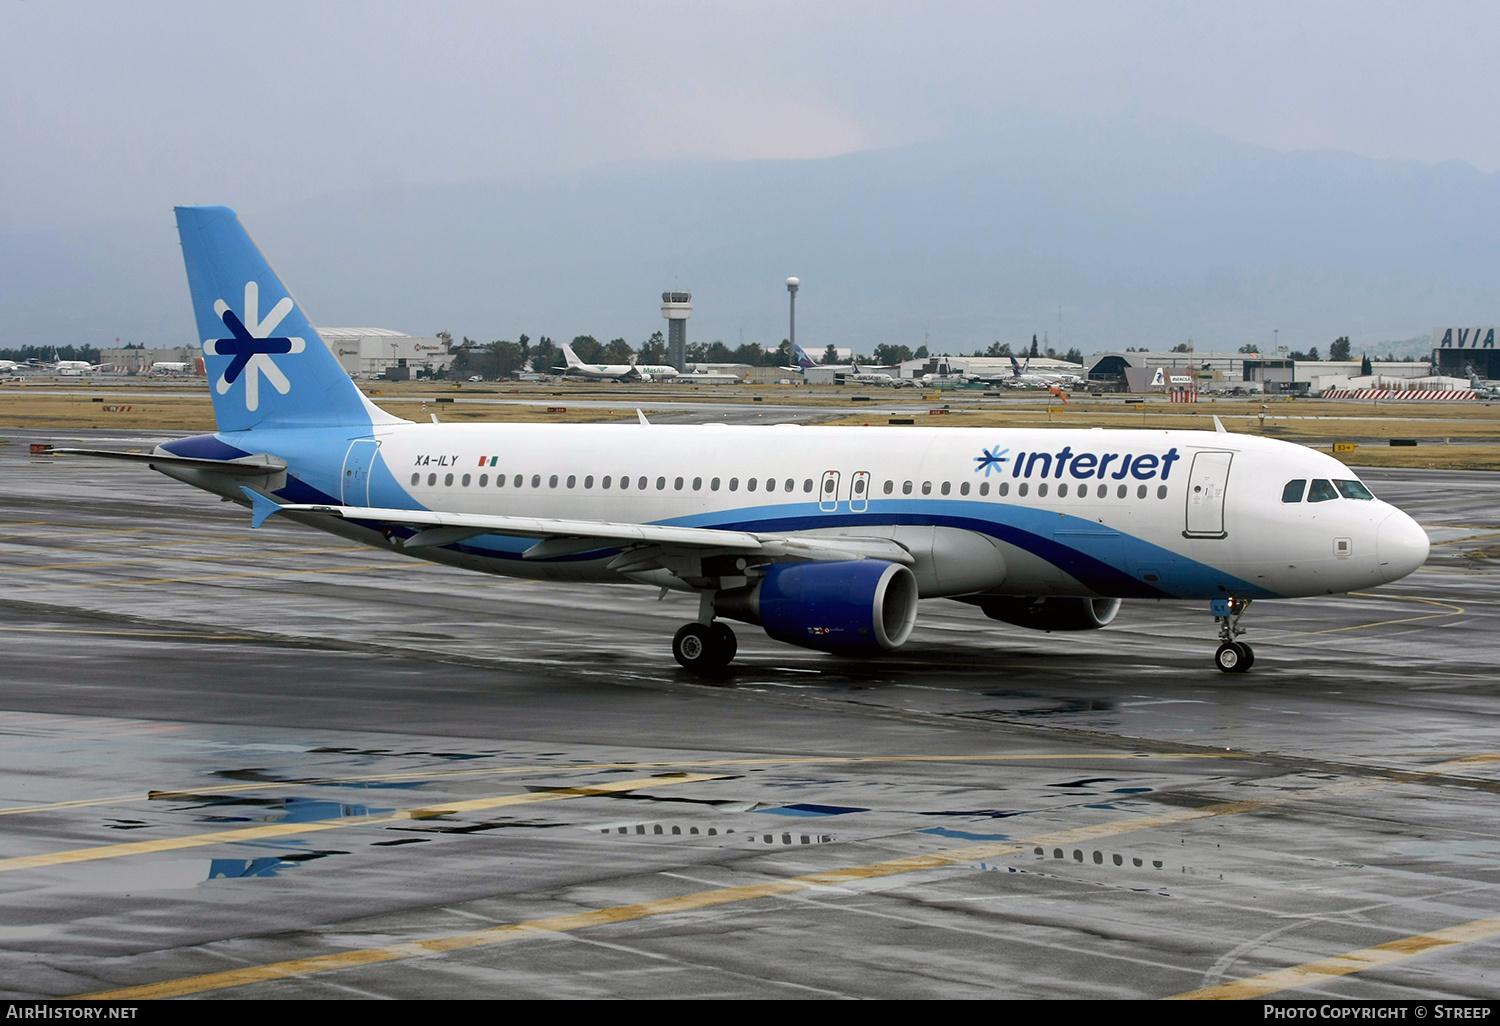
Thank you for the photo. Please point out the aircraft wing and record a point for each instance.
(566, 537)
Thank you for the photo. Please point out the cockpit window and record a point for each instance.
(1353, 490)
(1293, 490)
(1321, 491)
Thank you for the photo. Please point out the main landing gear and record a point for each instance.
(1233, 656)
(704, 647)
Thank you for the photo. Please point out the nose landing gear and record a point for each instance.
(1232, 656)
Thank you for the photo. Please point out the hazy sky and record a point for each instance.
(120, 110)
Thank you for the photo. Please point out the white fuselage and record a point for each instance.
(1132, 513)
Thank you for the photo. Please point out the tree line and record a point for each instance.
(502, 358)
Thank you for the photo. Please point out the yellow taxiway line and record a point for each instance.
(670, 764)
(1310, 973)
(257, 833)
(302, 967)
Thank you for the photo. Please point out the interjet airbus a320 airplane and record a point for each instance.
(825, 537)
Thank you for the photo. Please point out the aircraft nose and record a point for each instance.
(1401, 546)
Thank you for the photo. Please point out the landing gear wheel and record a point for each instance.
(725, 641)
(1249, 654)
(693, 646)
(1232, 658)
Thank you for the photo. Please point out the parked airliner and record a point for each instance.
(861, 377)
(613, 371)
(825, 537)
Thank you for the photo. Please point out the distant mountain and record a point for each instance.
(1146, 233)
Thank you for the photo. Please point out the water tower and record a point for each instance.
(791, 288)
(677, 307)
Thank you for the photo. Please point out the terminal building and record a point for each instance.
(1219, 372)
(362, 352)
(1461, 352)
(382, 353)
(982, 366)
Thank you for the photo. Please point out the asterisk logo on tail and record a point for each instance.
(252, 346)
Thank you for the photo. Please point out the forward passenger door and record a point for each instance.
(1207, 482)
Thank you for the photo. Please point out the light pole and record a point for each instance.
(791, 337)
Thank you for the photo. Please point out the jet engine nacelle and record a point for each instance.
(835, 607)
(1052, 614)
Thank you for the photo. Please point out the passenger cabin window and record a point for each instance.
(536, 480)
(572, 480)
(750, 484)
(431, 480)
(1161, 491)
(1123, 491)
(984, 488)
(415, 478)
(641, 483)
(1062, 490)
(516, 481)
(926, 487)
(1353, 490)
(552, 481)
(624, 481)
(713, 485)
(791, 485)
(734, 484)
(1041, 490)
(606, 481)
(1140, 493)
(1104, 491)
(890, 486)
(661, 484)
(807, 485)
(588, 482)
(697, 484)
(963, 489)
(1293, 490)
(677, 484)
(465, 481)
(448, 480)
(906, 488)
(1021, 491)
(947, 487)
(1321, 491)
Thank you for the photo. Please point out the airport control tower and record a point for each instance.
(677, 307)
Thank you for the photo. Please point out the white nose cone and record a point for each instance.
(1401, 546)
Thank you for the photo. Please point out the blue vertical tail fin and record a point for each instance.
(266, 365)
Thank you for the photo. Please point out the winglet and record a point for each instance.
(261, 507)
(1219, 426)
(641, 415)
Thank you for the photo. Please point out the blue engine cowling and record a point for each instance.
(834, 607)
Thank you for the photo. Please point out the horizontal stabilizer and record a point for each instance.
(257, 465)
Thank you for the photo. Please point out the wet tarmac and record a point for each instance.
(240, 763)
